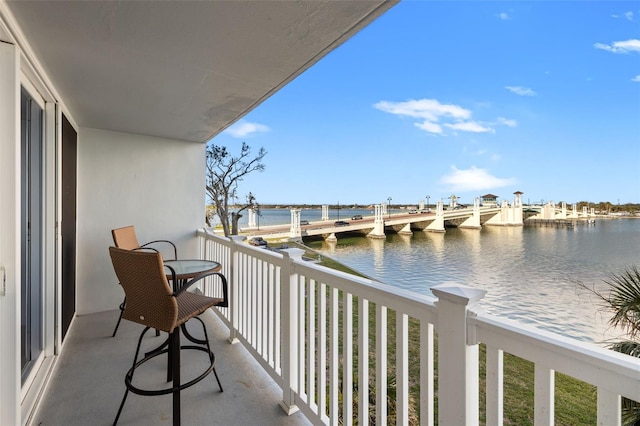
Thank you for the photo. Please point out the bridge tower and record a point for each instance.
(378, 223)
(563, 211)
(509, 215)
(325, 212)
(473, 222)
(438, 224)
(574, 211)
(296, 230)
(252, 218)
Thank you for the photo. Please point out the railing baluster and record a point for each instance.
(363, 361)
(347, 358)
(277, 322)
(322, 350)
(311, 343)
(381, 364)
(427, 374)
(402, 369)
(301, 336)
(494, 384)
(334, 363)
(544, 383)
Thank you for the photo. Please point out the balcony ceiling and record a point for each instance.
(181, 69)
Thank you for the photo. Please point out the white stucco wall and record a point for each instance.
(155, 184)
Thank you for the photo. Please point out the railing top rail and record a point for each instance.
(586, 361)
(410, 303)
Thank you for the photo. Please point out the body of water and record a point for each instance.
(530, 273)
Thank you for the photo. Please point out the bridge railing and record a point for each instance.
(343, 347)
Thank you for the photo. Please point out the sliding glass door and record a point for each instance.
(31, 232)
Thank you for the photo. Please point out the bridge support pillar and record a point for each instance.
(473, 222)
(331, 237)
(325, 212)
(574, 211)
(406, 230)
(378, 223)
(438, 224)
(295, 231)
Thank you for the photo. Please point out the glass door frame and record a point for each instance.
(49, 257)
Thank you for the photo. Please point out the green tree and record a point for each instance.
(224, 172)
(622, 300)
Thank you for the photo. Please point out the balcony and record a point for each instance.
(285, 363)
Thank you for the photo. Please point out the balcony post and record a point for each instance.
(232, 279)
(458, 384)
(289, 294)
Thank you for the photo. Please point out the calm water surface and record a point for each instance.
(530, 273)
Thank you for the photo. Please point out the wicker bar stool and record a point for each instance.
(126, 238)
(152, 303)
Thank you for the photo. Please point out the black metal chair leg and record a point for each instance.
(135, 359)
(115, 330)
(175, 366)
(212, 357)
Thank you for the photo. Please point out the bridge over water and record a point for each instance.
(381, 223)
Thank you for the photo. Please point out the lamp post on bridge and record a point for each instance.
(427, 202)
(389, 207)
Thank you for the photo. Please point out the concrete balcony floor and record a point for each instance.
(87, 383)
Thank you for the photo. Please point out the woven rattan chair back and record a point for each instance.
(150, 300)
(125, 238)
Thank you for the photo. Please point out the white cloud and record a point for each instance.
(519, 90)
(627, 46)
(636, 78)
(429, 127)
(507, 122)
(473, 179)
(435, 115)
(504, 16)
(469, 126)
(629, 16)
(243, 128)
(429, 109)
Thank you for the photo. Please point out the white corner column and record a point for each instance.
(458, 369)
(325, 212)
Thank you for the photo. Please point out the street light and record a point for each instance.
(428, 202)
(389, 207)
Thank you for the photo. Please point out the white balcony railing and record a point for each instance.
(309, 327)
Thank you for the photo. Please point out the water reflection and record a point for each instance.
(529, 273)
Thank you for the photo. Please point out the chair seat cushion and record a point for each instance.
(193, 304)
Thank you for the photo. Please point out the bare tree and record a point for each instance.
(224, 172)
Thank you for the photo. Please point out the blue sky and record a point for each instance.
(447, 97)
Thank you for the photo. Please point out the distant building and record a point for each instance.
(489, 200)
